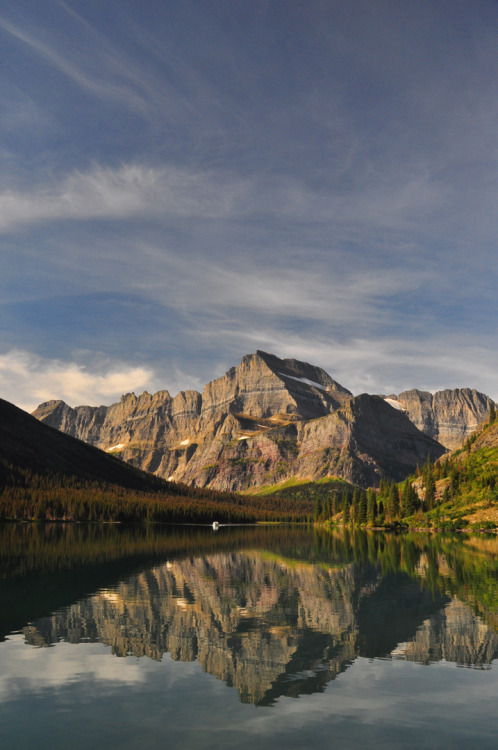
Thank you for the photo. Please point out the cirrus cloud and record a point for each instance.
(122, 193)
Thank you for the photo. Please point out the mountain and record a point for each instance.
(262, 386)
(267, 420)
(27, 445)
(361, 442)
(48, 475)
(448, 416)
(161, 434)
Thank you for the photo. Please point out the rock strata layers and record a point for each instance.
(448, 416)
(272, 419)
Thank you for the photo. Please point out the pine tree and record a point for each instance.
(430, 492)
(492, 412)
(371, 506)
(407, 499)
(380, 508)
(362, 507)
(345, 508)
(354, 506)
(454, 481)
(334, 504)
(327, 508)
(393, 502)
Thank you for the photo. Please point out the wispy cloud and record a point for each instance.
(27, 380)
(319, 187)
(137, 190)
(127, 192)
(272, 287)
(146, 78)
(102, 86)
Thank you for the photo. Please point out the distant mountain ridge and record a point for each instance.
(261, 386)
(264, 421)
(28, 445)
(448, 416)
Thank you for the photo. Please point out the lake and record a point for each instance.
(266, 637)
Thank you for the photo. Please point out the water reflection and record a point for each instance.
(271, 612)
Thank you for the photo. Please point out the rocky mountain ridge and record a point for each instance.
(265, 421)
(28, 448)
(448, 416)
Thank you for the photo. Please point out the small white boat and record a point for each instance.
(216, 525)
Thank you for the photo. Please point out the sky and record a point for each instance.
(183, 183)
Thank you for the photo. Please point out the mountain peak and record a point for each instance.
(264, 385)
(270, 418)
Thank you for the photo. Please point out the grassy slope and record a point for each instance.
(299, 487)
(474, 500)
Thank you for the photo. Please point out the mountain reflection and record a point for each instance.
(256, 613)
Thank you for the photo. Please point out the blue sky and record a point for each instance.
(183, 183)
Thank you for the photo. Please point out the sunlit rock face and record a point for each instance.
(263, 422)
(448, 416)
(265, 386)
(269, 626)
(364, 440)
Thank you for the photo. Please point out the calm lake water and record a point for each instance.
(274, 638)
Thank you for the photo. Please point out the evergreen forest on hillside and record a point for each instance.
(458, 491)
(36, 497)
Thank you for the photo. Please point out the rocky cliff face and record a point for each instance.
(448, 416)
(265, 421)
(362, 441)
(266, 386)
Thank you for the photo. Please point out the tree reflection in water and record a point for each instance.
(271, 611)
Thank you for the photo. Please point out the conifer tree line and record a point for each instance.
(26, 495)
(492, 413)
(435, 489)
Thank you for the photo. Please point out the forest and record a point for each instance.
(459, 490)
(28, 496)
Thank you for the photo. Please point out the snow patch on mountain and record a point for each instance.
(115, 447)
(395, 404)
(305, 380)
